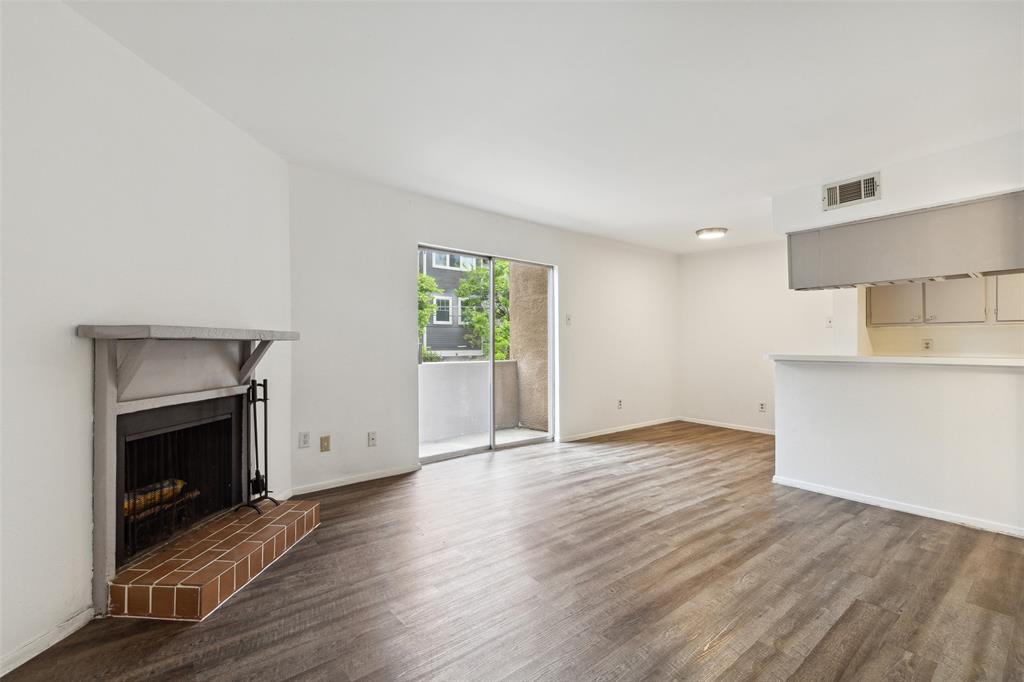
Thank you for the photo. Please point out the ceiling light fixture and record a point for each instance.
(711, 232)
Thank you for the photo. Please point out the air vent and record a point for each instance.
(852, 191)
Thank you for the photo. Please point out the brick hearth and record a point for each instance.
(190, 577)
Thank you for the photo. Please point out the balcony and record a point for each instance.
(454, 405)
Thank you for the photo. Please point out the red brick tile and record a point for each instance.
(209, 572)
(209, 598)
(154, 560)
(160, 571)
(255, 562)
(280, 544)
(126, 576)
(186, 602)
(240, 551)
(221, 535)
(241, 573)
(290, 535)
(232, 540)
(227, 583)
(117, 599)
(163, 602)
(173, 578)
(138, 600)
(202, 560)
(196, 549)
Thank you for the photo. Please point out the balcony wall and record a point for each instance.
(453, 398)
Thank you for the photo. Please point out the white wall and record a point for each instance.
(979, 169)
(125, 200)
(734, 307)
(354, 260)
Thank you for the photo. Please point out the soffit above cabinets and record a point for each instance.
(984, 236)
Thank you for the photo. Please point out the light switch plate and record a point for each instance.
(304, 439)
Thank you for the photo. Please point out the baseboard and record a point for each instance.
(44, 641)
(727, 425)
(615, 429)
(939, 514)
(354, 478)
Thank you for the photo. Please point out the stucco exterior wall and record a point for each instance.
(528, 340)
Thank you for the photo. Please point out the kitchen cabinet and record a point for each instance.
(896, 304)
(805, 260)
(954, 300)
(1010, 298)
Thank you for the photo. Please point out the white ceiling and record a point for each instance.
(637, 121)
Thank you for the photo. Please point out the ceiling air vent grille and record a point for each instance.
(852, 191)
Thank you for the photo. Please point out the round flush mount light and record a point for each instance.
(711, 232)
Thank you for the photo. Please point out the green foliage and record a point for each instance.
(426, 288)
(427, 355)
(474, 291)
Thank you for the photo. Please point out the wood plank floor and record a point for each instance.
(661, 553)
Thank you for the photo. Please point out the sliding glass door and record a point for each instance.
(484, 352)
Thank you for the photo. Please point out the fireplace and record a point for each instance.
(176, 466)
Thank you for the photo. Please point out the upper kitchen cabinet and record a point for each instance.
(955, 300)
(805, 260)
(896, 304)
(1010, 298)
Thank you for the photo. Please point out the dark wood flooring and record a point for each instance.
(662, 553)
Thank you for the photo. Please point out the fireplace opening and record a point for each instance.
(176, 466)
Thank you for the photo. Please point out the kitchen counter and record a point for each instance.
(935, 436)
(977, 361)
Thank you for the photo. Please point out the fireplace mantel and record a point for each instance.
(168, 332)
(148, 366)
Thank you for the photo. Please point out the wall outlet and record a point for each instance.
(303, 439)
(828, 322)
(371, 439)
(620, 404)
(762, 407)
(927, 344)
(325, 442)
(568, 320)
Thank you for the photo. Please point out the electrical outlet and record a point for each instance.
(762, 407)
(926, 344)
(371, 439)
(568, 320)
(303, 439)
(325, 442)
(620, 404)
(828, 322)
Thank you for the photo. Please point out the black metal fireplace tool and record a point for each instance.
(258, 489)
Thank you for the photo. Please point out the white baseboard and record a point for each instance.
(727, 425)
(615, 429)
(952, 517)
(44, 641)
(354, 478)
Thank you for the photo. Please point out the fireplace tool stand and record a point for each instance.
(258, 489)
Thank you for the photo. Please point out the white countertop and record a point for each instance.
(904, 360)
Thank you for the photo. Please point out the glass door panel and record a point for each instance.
(454, 310)
(522, 352)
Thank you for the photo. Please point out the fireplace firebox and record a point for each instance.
(176, 466)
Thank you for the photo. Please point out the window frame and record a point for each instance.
(446, 259)
(433, 317)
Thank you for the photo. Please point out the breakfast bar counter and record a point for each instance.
(936, 436)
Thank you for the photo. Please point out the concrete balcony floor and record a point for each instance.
(477, 440)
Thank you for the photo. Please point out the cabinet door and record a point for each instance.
(896, 304)
(955, 300)
(1010, 297)
(804, 260)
